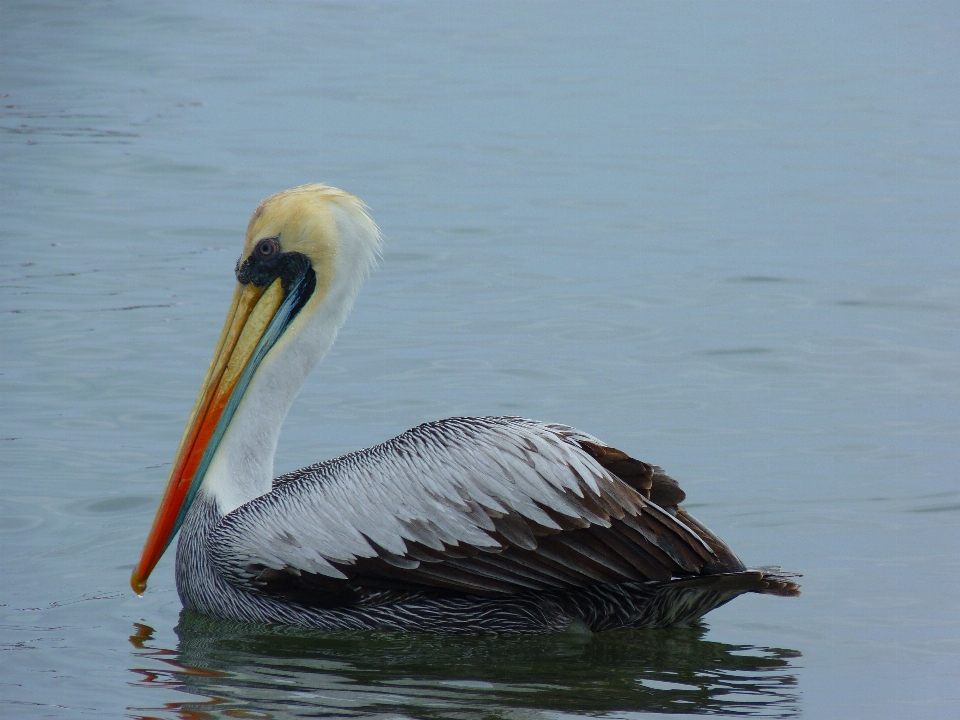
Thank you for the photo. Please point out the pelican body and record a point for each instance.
(485, 525)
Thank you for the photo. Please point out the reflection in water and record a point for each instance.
(252, 671)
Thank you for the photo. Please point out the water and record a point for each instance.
(720, 236)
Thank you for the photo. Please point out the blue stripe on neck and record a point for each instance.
(295, 299)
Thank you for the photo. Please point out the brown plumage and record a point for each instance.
(631, 529)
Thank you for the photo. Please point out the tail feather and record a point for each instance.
(765, 580)
(683, 601)
(675, 602)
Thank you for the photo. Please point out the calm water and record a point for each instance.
(723, 237)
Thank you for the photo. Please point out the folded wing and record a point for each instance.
(485, 506)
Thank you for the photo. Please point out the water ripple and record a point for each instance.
(258, 671)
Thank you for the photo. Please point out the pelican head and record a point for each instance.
(305, 256)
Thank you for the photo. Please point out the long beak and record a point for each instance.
(241, 346)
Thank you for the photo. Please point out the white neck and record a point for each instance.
(242, 467)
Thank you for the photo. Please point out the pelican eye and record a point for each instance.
(267, 263)
(266, 248)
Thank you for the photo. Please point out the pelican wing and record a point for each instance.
(488, 506)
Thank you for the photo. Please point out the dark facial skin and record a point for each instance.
(267, 262)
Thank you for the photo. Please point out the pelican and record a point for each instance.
(463, 525)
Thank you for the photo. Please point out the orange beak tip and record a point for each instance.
(139, 585)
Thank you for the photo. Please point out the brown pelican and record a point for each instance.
(494, 524)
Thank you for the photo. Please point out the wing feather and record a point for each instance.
(491, 506)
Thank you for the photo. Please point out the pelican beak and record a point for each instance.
(255, 320)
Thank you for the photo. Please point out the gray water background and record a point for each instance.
(720, 236)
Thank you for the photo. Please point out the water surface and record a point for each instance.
(720, 236)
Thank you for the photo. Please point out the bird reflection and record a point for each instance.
(231, 669)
